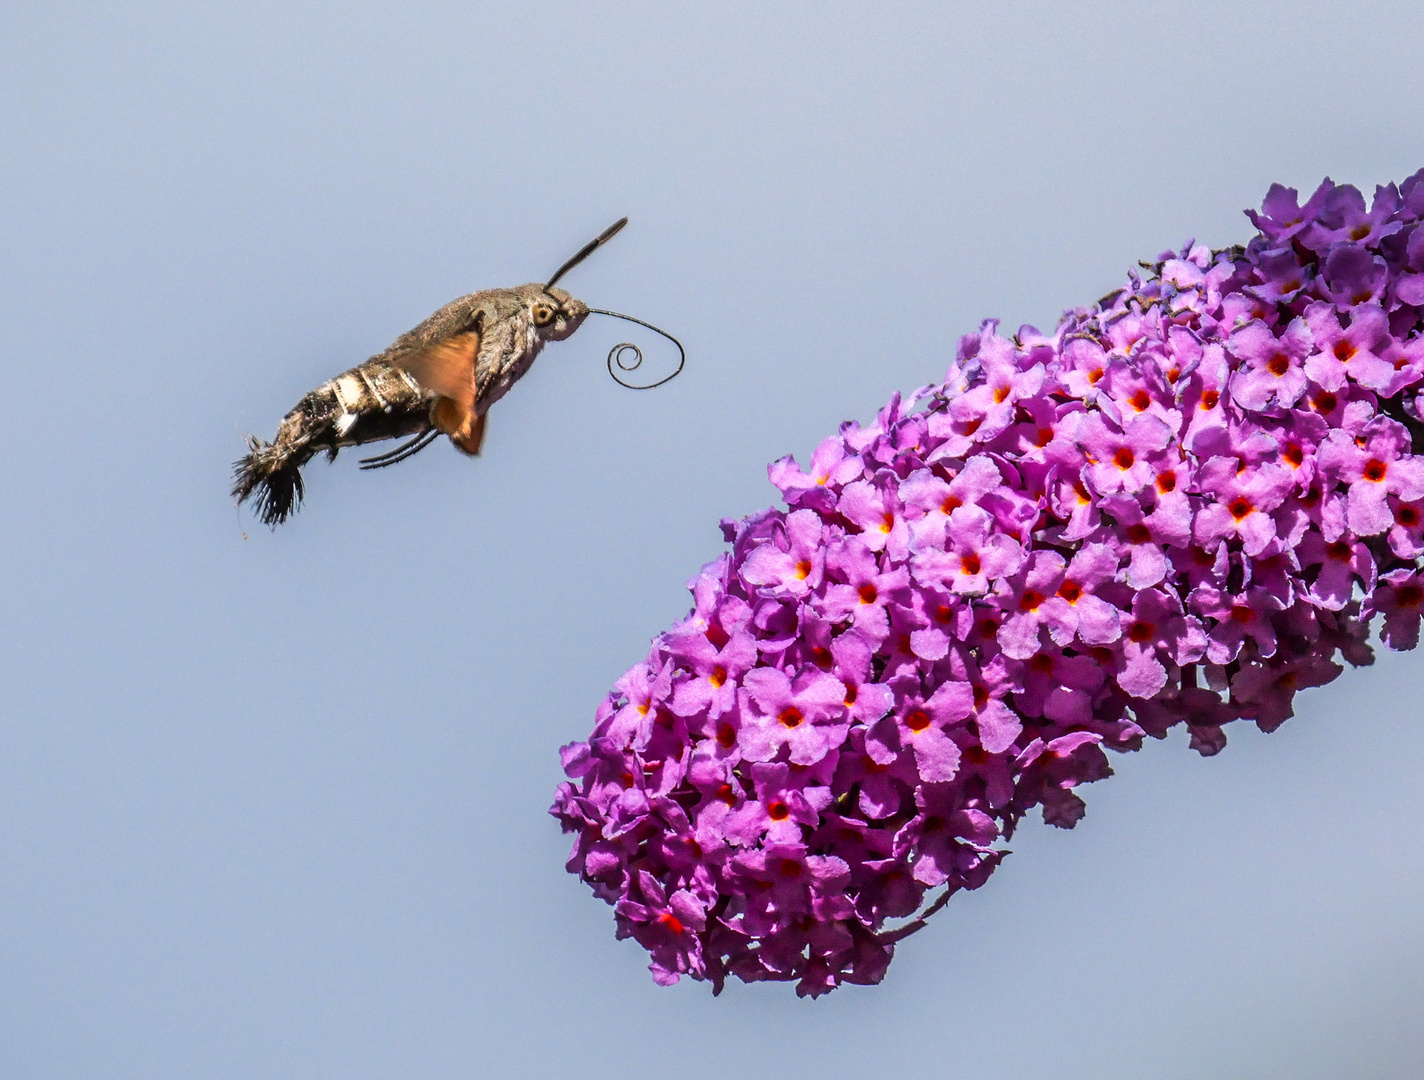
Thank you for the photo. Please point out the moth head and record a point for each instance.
(552, 312)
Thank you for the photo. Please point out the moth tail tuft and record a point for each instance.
(271, 477)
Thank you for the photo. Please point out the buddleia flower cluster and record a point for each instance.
(1179, 507)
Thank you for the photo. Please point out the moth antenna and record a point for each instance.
(401, 452)
(616, 354)
(587, 250)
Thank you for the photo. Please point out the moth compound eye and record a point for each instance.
(543, 314)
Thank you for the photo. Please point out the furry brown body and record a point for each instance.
(438, 378)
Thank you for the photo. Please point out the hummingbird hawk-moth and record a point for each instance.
(439, 378)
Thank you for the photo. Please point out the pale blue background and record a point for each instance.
(275, 806)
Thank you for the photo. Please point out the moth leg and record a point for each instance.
(401, 452)
(402, 448)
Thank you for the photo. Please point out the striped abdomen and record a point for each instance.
(371, 402)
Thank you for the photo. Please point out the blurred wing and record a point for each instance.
(446, 368)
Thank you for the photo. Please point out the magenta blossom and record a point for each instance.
(1179, 507)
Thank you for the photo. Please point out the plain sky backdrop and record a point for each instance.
(274, 805)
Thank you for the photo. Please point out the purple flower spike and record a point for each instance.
(1177, 508)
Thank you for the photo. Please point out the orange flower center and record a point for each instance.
(671, 921)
